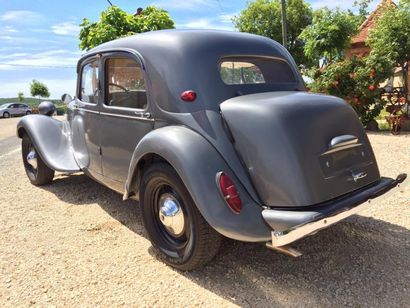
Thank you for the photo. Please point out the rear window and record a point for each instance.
(255, 70)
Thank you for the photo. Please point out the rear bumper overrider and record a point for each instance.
(291, 225)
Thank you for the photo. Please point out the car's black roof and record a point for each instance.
(178, 60)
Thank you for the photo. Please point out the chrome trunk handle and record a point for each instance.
(342, 140)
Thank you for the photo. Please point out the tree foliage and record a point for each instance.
(329, 34)
(115, 23)
(263, 17)
(363, 12)
(39, 89)
(20, 96)
(391, 36)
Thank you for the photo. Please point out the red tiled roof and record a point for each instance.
(369, 23)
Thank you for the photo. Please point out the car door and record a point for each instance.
(14, 109)
(85, 118)
(125, 114)
(23, 109)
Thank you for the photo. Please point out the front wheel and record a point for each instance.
(36, 170)
(174, 225)
(6, 115)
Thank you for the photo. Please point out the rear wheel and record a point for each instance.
(6, 115)
(28, 112)
(36, 170)
(174, 225)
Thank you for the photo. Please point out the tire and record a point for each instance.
(196, 243)
(42, 174)
(6, 115)
(28, 112)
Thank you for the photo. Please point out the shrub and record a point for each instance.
(355, 80)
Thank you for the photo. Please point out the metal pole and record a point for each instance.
(284, 26)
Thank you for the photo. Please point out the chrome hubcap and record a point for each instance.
(32, 158)
(171, 215)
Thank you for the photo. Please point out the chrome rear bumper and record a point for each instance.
(315, 220)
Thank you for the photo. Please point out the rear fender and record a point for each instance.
(52, 140)
(197, 163)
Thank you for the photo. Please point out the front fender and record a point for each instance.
(197, 162)
(51, 139)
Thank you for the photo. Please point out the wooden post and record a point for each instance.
(284, 26)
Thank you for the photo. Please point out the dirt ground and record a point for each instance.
(76, 243)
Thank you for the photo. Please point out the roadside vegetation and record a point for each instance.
(318, 40)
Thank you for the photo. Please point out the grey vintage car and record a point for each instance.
(215, 134)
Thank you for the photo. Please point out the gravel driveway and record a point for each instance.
(76, 242)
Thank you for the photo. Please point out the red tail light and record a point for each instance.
(188, 96)
(230, 193)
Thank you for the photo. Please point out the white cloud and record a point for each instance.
(217, 23)
(13, 55)
(20, 16)
(32, 41)
(56, 86)
(186, 5)
(343, 4)
(227, 18)
(8, 29)
(68, 28)
(58, 58)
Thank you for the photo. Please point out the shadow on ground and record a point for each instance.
(354, 263)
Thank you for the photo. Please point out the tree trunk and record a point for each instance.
(405, 71)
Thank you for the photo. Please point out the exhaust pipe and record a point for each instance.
(287, 250)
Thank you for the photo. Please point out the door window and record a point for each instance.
(89, 83)
(125, 85)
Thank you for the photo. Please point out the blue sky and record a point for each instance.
(39, 37)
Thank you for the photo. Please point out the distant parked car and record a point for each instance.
(14, 109)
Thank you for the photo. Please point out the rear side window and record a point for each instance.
(125, 84)
(89, 83)
(255, 70)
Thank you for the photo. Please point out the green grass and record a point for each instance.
(382, 115)
(383, 125)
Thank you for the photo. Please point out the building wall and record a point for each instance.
(358, 51)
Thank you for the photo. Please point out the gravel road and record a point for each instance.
(76, 243)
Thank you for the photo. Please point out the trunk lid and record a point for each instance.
(299, 148)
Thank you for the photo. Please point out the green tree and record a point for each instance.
(263, 17)
(20, 96)
(363, 10)
(39, 89)
(391, 36)
(115, 23)
(329, 35)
